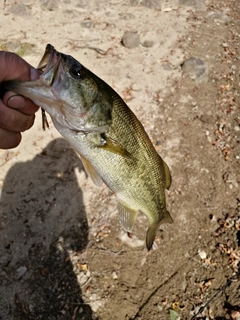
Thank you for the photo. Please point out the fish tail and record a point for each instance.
(152, 229)
(151, 234)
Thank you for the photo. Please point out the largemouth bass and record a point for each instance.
(110, 140)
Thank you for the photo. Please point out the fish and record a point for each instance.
(112, 143)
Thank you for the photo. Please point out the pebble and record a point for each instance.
(135, 87)
(82, 3)
(236, 128)
(114, 275)
(151, 4)
(164, 5)
(219, 17)
(198, 5)
(83, 277)
(148, 43)
(167, 66)
(49, 5)
(131, 39)
(88, 24)
(127, 16)
(195, 68)
(19, 10)
(206, 118)
(202, 254)
(21, 271)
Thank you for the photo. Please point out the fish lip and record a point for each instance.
(49, 65)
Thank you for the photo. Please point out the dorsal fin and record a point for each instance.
(168, 178)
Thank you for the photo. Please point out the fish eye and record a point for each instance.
(77, 72)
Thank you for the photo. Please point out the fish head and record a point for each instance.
(69, 92)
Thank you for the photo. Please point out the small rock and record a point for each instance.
(219, 17)
(206, 118)
(83, 277)
(134, 2)
(130, 39)
(21, 271)
(128, 16)
(19, 10)
(202, 254)
(236, 128)
(195, 68)
(88, 24)
(198, 5)
(167, 66)
(135, 87)
(114, 275)
(49, 5)
(148, 43)
(152, 4)
(82, 3)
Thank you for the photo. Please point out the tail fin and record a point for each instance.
(152, 229)
(151, 234)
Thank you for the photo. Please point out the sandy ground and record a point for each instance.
(63, 254)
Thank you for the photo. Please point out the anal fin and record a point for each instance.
(127, 216)
(96, 178)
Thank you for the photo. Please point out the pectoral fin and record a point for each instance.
(113, 146)
(127, 216)
(100, 140)
(96, 178)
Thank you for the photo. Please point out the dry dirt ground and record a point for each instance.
(63, 254)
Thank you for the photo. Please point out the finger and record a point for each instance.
(14, 67)
(9, 139)
(16, 101)
(14, 120)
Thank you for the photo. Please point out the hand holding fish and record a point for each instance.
(16, 112)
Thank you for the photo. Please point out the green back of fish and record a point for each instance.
(132, 168)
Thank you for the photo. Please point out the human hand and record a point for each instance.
(17, 113)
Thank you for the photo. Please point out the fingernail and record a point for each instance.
(16, 101)
(34, 74)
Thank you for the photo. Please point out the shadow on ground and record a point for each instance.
(43, 228)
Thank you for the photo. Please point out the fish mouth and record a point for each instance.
(54, 77)
(49, 65)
